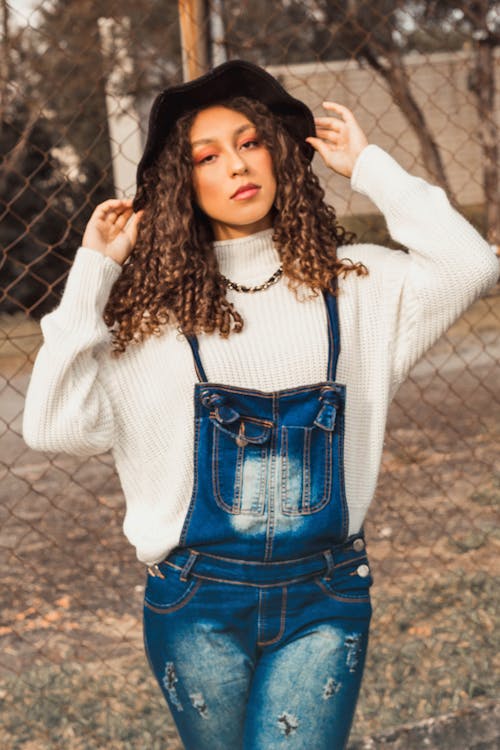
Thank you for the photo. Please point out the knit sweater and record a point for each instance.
(80, 400)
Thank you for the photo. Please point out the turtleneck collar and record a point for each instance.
(247, 260)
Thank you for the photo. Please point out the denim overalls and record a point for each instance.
(256, 625)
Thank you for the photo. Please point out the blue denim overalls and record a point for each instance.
(263, 560)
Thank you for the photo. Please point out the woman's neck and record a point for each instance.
(247, 260)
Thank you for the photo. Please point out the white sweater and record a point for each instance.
(140, 405)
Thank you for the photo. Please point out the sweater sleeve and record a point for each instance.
(449, 264)
(67, 408)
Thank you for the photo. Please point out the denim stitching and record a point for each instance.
(340, 454)
(238, 477)
(284, 466)
(264, 423)
(345, 548)
(178, 603)
(245, 561)
(287, 505)
(260, 584)
(258, 616)
(216, 491)
(272, 484)
(263, 480)
(238, 481)
(304, 502)
(282, 620)
(263, 461)
(354, 561)
(235, 509)
(272, 394)
(192, 501)
(342, 597)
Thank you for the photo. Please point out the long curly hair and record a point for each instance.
(172, 275)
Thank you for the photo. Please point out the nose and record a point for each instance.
(237, 164)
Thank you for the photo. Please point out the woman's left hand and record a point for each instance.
(339, 141)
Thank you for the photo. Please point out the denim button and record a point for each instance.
(358, 545)
(363, 571)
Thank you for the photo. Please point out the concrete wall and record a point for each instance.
(439, 83)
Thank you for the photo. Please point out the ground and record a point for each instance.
(73, 674)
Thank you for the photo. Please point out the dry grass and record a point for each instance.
(72, 671)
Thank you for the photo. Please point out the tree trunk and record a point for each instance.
(482, 84)
(394, 73)
(4, 59)
(355, 31)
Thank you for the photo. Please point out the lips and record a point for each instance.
(250, 188)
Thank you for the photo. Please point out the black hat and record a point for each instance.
(232, 78)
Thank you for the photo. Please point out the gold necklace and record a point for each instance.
(241, 288)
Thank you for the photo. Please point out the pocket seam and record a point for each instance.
(341, 597)
(238, 478)
(306, 455)
(178, 603)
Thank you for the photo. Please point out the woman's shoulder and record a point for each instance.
(137, 353)
(378, 259)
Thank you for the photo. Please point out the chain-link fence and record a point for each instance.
(75, 90)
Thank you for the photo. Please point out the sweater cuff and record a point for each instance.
(373, 169)
(88, 286)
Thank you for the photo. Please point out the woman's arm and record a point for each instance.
(67, 408)
(449, 264)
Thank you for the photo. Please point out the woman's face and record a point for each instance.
(228, 155)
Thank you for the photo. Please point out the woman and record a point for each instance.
(237, 351)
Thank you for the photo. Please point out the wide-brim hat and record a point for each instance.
(232, 78)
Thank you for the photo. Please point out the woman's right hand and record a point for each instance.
(109, 230)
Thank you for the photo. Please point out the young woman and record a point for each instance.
(237, 351)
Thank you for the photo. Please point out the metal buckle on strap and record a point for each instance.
(155, 571)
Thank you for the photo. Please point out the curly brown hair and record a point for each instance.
(172, 276)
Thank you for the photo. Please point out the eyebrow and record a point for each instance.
(212, 140)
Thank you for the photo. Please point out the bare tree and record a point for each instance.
(478, 23)
(5, 66)
(370, 32)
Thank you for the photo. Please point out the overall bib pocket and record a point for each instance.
(308, 456)
(170, 593)
(306, 469)
(240, 459)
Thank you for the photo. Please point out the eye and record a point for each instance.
(205, 159)
(250, 143)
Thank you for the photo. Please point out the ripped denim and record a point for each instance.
(260, 656)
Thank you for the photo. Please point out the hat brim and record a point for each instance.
(232, 78)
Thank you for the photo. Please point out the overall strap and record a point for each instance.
(333, 333)
(193, 343)
(333, 341)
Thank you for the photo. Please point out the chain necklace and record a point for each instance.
(241, 288)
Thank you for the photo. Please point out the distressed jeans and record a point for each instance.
(272, 658)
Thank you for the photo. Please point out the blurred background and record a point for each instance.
(77, 79)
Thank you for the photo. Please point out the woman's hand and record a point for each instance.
(339, 141)
(109, 230)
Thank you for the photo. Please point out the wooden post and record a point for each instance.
(194, 32)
